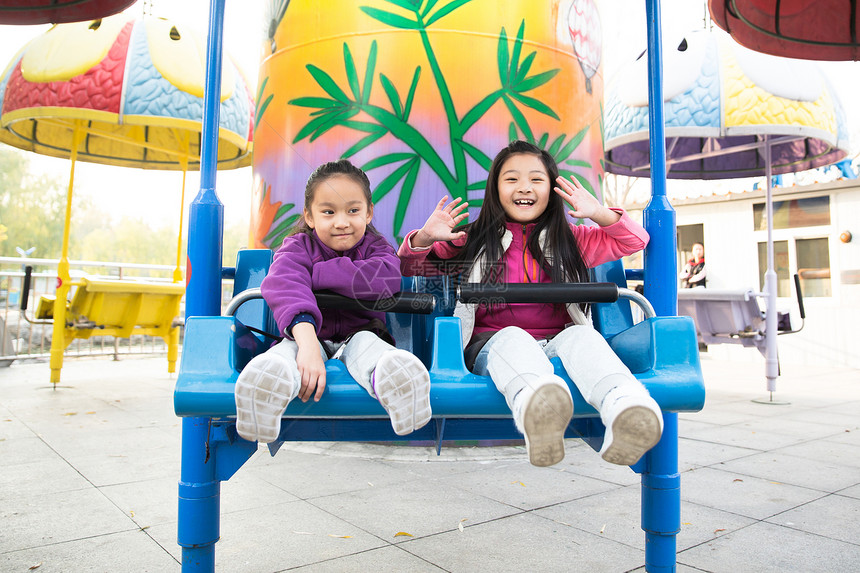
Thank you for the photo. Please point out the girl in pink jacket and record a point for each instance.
(522, 235)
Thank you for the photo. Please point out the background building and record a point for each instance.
(815, 235)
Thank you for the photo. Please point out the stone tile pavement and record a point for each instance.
(90, 469)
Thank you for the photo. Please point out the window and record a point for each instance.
(801, 245)
(780, 265)
(809, 212)
(812, 258)
(813, 266)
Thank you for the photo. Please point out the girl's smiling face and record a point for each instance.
(339, 212)
(524, 187)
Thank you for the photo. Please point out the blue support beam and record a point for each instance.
(661, 285)
(206, 216)
(199, 509)
(199, 487)
(661, 487)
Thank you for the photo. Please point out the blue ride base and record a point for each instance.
(662, 352)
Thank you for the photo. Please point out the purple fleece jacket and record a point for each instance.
(303, 264)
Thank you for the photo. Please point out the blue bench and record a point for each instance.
(661, 352)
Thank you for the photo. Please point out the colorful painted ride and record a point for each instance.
(130, 93)
(730, 112)
(804, 29)
(28, 12)
(391, 87)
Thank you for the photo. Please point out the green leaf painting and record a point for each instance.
(341, 103)
(262, 106)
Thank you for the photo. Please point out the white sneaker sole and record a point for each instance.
(545, 418)
(403, 389)
(635, 431)
(263, 390)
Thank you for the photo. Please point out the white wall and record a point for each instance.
(829, 336)
(729, 250)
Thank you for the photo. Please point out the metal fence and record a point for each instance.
(20, 339)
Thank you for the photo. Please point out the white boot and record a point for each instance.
(263, 390)
(401, 383)
(634, 424)
(542, 411)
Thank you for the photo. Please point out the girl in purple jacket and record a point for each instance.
(522, 235)
(335, 248)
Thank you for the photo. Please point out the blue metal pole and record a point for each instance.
(199, 508)
(661, 487)
(661, 286)
(199, 489)
(206, 216)
(661, 500)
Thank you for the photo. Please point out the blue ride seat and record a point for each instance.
(661, 352)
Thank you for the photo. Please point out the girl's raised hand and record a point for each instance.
(585, 205)
(440, 225)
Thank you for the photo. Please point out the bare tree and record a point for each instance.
(620, 190)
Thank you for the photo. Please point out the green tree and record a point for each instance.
(32, 207)
(131, 240)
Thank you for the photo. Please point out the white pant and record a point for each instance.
(360, 354)
(514, 359)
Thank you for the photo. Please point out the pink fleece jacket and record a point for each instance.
(597, 245)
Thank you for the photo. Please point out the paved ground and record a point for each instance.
(89, 482)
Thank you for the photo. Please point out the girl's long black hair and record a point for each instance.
(340, 168)
(484, 234)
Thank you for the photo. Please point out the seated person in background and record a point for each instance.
(694, 274)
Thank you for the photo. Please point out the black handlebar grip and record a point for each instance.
(799, 295)
(406, 302)
(540, 292)
(25, 290)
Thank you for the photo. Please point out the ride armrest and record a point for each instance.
(216, 349)
(662, 353)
